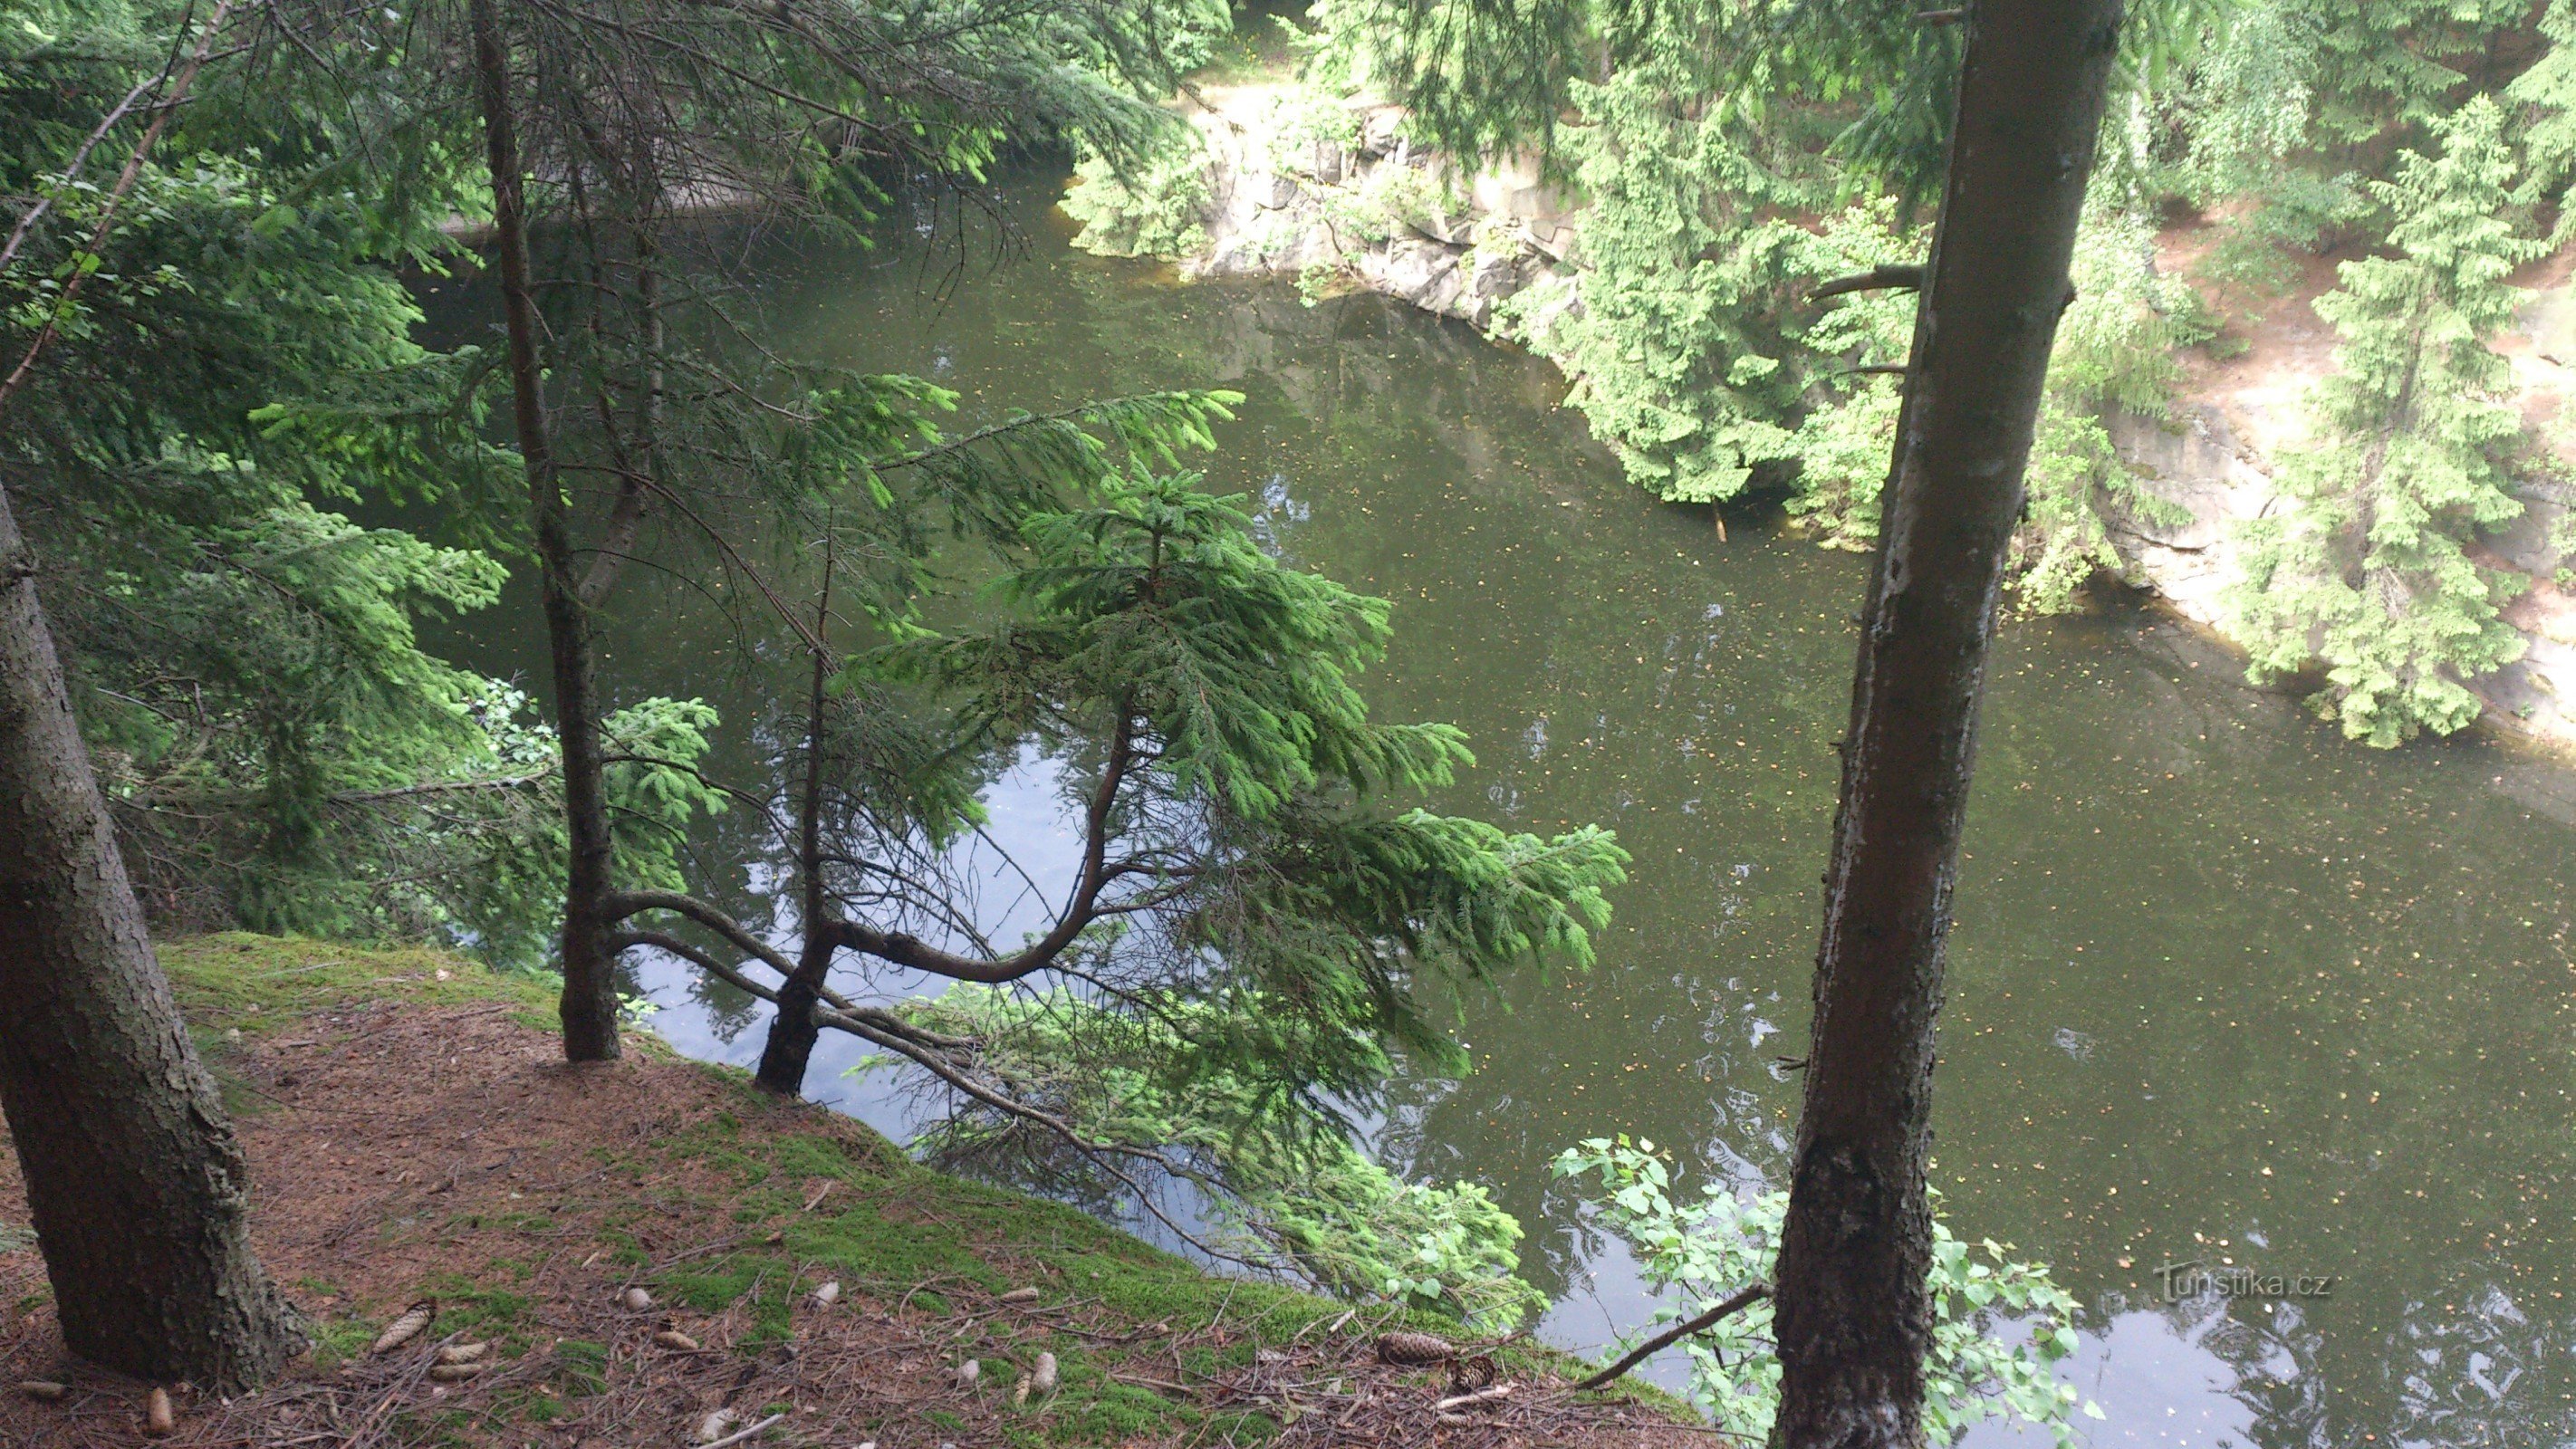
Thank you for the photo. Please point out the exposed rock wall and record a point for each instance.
(1341, 199)
(1351, 197)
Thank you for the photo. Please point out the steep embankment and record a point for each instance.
(414, 1135)
(1281, 197)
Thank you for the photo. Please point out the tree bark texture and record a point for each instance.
(1853, 1316)
(134, 1178)
(589, 1004)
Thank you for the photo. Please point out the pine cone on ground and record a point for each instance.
(1414, 1349)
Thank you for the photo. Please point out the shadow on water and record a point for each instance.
(2226, 990)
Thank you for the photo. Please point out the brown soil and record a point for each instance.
(2280, 345)
(418, 1151)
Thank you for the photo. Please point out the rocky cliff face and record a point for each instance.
(1296, 192)
(1336, 196)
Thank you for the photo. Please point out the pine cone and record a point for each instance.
(1414, 1348)
(406, 1327)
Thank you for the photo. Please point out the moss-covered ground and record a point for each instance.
(413, 1136)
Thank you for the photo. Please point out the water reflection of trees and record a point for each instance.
(2476, 1368)
(2235, 944)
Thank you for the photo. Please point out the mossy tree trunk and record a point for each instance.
(1853, 1318)
(134, 1178)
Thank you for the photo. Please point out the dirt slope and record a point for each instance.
(413, 1136)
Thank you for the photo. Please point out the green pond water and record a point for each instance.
(2224, 988)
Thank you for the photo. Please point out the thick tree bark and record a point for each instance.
(1853, 1319)
(134, 1178)
(589, 1005)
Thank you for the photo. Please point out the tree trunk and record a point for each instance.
(589, 1005)
(1853, 1318)
(134, 1179)
(793, 1031)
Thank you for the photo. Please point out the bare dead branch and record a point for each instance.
(1735, 1302)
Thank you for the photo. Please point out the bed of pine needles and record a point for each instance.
(413, 1138)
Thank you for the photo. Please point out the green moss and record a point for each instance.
(337, 1340)
(470, 1305)
(581, 1367)
(888, 1227)
(252, 984)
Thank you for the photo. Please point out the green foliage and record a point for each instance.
(1273, 879)
(653, 747)
(244, 658)
(1844, 442)
(2115, 353)
(2393, 64)
(1861, 79)
(2547, 95)
(1679, 353)
(1286, 1184)
(1717, 179)
(1149, 207)
(1712, 141)
(242, 363)
(1998, 1324)
(1478, 78)
(2367, 567)
(1274, 922)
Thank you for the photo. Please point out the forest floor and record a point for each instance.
(414, 1136)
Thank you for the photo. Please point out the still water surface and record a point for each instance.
(2223, 987)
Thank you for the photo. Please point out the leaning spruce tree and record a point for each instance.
(134, 1179)
(1853, 1316)
(136, 1184)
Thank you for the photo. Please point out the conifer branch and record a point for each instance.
(89, 258)
(625, 904)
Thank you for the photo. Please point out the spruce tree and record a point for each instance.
(2548, 124)
(634, 410)
(1853, 1310)
(134, 1180)
(2366, 566)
